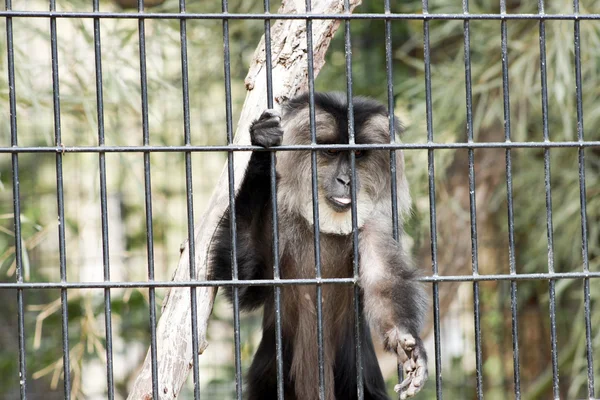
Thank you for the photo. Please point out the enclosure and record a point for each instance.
(117, 117)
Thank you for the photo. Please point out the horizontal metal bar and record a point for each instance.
(288, 282)
(385, 146)
(168, 284)
(246, 16)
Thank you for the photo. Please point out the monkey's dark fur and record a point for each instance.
(392, 302)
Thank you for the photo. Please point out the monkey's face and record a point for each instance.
(336, 182)
(334, 173)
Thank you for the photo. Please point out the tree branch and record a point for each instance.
(290, 72)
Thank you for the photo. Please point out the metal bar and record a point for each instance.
(548, 191)
(472, 203)
(285, 282)
(509, 201)
(432, 206)
(315, 196)
(346, 147)
(358, 322)
(391, 127)
(299, 16)
(60, 206)
(12, 99)
(189, 191)
(103, 206)
(274, 216)
(148, 197)
(230, 170)
(583, 206)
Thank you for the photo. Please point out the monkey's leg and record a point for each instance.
(261, 379)
(345, 367)
(262, 375)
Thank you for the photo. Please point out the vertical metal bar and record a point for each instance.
(357, 306)
(548, 191)
(390, 93)
(274, 216)
(189, 191)
(148, 198)
(315, 194)
(472, 201)
(60, 204)
(583, 204)
(230, 170)
(432, 207)
(103, 205)
(509, 201)
(12, 98)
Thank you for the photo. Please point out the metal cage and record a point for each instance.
(433, 278)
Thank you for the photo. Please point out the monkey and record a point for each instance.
(392, 302)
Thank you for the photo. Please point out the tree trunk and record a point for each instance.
(290, 66)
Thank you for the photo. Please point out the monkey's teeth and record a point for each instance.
(342, 200)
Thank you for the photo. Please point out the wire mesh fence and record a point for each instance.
(60, 150)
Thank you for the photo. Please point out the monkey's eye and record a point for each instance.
(359, 153)
(331, 152)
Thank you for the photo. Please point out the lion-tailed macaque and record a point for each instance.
(392, 301)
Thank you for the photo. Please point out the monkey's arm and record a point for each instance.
(394, 302)
(252, 217)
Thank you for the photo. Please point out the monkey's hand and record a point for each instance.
(411, 353)
(266, 131)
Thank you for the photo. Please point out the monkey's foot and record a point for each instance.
(412, 355)
(266, 131)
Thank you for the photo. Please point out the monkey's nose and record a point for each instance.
(344, 180)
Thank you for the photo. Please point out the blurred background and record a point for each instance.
(126, 213)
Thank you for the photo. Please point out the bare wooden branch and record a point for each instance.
(290, 72)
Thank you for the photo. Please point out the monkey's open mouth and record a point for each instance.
(340, 204)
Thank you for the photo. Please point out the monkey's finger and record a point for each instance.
(420, 378)
(270, 124)
(270, 113)
(408, 391)
(418, 381)
(403, 385)
(268, 119)
(266, 137)
(264, 122)
(402, 355)
(411, 391)
(417, 352)
(272, 132)
(420, 362)
(408, 366)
